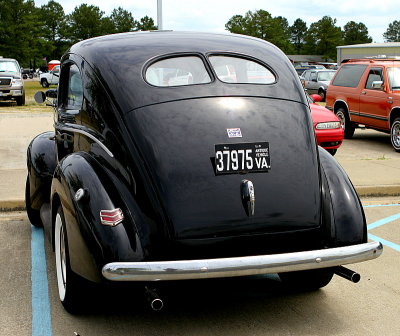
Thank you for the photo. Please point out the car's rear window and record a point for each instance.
(177, 71)
(230, 69)
(325, 76)
(349, 75)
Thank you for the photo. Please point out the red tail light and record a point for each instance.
(111, 217)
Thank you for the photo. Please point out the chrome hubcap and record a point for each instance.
(396, 134)
(61, 258)
(342, 119)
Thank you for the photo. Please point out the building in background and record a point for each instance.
(388, 50)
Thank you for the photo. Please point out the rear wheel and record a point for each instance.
(395, 134)
(44, 83)
(33, 215)
(69, 284)
(347, 125)
(307, 280)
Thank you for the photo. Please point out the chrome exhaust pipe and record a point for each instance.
(347, 274)
(154, 300)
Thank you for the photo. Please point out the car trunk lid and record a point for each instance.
(177, 141)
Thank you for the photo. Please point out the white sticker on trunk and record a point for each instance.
(234, 132)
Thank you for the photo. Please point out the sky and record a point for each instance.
(212, 15)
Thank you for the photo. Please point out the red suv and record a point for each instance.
(367, 92)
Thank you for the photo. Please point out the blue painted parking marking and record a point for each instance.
(380, 205)
(384, 242)
(41, 318)
(381, 222)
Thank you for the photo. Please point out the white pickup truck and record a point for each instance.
(50, 78)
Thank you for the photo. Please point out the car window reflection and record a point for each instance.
(178, 71)
(230, 69)
(75, 89)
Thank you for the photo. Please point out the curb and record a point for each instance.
(379, 191)
(363, 191)
(12, 205)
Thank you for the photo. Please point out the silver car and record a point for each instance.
(317, 81)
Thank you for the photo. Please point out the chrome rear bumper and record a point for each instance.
(240, 266)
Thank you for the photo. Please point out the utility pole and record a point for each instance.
(159, 15)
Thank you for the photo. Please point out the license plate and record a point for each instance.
(242, 158)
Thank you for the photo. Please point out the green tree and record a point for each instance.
(19, 31)
(261, 24)
(257, 24)
(86, 22)
(237, 25)
(53, 21)
(146, 23)
(52, 16)
(323, 37)
(392, 33)
(281, 37)
(297, 33)
(122, 20)
(355, 33)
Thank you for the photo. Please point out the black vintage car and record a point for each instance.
(188, 156)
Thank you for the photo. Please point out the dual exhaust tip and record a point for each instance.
(157, 304)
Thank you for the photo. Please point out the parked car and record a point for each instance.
(27, 73)
(50, 78)
(317, 81)
(300, 68)
(367, 92)
(327, 126)
(144, 182)
(11, 82)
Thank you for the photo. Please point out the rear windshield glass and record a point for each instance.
(177, 71)
(231, 69)
(349, 75)
(326, 76)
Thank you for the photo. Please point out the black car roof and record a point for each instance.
(119, 61)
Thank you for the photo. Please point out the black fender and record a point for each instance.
(41, 163)
(90, 243)
(343, 214)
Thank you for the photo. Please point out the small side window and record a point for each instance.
(177, 71)
(231, 69)
(349, 75)
(313, 76)
(375, 75)
(75, 89)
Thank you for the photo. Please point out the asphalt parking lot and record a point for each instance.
(249, 306)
